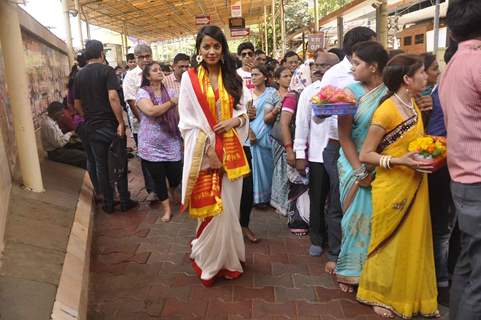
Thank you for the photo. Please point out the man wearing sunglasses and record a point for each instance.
(245, 51)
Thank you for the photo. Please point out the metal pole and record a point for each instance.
(124, 38)
(274, 47)
(87, 24)
(66, 15)
(283, 29)
(340, 31)
(265, 31)
(16, 79)
(316, 16)
(436, 27)
(79, 24)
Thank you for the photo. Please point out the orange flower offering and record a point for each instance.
(430, 148)
(330, 95)
(333, 101)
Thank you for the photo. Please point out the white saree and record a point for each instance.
(218, 249)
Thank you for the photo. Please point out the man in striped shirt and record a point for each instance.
(181, 64)
(460, 93)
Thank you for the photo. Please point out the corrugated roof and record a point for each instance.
(164, 19)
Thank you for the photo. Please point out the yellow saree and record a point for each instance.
(399, 272)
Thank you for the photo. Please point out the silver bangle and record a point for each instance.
(361, 173)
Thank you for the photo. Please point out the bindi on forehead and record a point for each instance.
(207, 40)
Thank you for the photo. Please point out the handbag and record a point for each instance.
(276, 132)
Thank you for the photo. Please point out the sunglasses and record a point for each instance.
(245, 54)
(147, 56)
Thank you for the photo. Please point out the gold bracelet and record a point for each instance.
(242, 121)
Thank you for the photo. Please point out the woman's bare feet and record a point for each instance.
(346, 288)
(166, 217)
(383, 312)
(167, 212)
(249, 235)
(330, 267)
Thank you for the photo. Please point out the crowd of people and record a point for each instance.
(236, 131)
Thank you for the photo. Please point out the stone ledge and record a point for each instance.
(71, 299)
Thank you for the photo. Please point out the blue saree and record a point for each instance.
(262, 160)
(356, 201)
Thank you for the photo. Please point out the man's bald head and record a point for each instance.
(323, 62)
(333, 58)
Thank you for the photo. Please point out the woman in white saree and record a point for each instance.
(213, 123)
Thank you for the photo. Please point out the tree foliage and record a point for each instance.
(298, 16)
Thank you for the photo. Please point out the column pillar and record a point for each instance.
(79, 23)
(340, 31)
(266, 43)
(274, 44)
(69, 32)
(316, 16)
(436, 28)
(16, 79)
(283, 28)
(381, 23)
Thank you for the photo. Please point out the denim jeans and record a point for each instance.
(83, 132)
(99, 140)
(334, 211)
(442, 219)
(465, 297)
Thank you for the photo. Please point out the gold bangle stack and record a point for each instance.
(242, 120)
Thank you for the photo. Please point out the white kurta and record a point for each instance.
(219, 249)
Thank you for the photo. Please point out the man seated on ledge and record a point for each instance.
(61, 147)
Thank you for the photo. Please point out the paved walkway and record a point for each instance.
(141, 270)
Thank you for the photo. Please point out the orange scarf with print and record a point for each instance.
(205, 200)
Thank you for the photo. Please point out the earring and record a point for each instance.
(199, 59)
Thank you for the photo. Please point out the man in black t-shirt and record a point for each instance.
(97, 100)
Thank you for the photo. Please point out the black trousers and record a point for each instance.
(247, 198)
(318, 192)
(159, 171)
(442, 220)
(99, 141)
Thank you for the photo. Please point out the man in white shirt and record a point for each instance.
(130, 86)
(245, 52)
(58, 144)
(310, 139)
(339, 76)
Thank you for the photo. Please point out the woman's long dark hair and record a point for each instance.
(232, 81)
(395, 70)
(372, 52)
(170, 119)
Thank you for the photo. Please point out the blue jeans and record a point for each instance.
(465, 297)
(442, 220)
